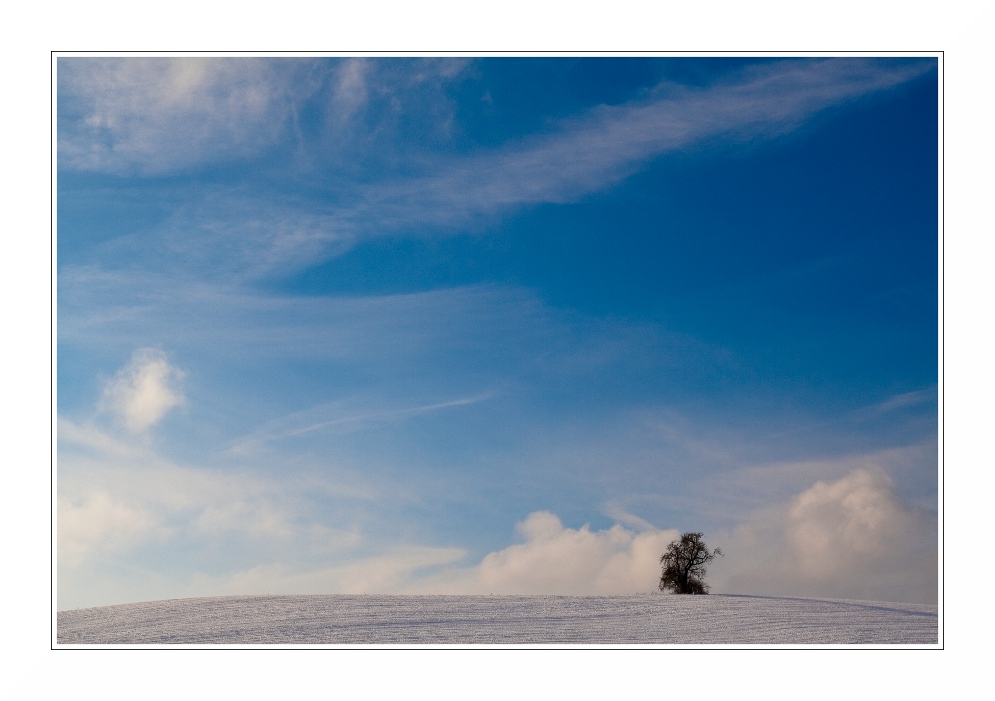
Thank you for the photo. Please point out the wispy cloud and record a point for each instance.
(214, 530)
(609, 143)
(330, 417)
(91, 439)
(381, 90)
(155, 115)
(385, 573)
(111, 309)
(115, 498)
(350, 93)
(93, 525)
(614, 511)
(897, 403)
(227, 233)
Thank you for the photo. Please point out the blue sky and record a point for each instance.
(495, 325)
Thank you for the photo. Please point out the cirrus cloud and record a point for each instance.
(157, 115)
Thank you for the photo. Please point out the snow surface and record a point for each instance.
(505, 620)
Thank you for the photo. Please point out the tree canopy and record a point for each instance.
(684, 565)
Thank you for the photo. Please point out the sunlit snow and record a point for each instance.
(504, 620)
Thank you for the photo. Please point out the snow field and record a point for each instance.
(500, 620)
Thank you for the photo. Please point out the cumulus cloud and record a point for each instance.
(850, 538)
(144, 390)
(554, 559)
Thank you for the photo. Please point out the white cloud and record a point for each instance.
(350, 90)
(232, 236)
(848, 538)
(160, 114)
(558, 560)
(195, 500)
(154, 115)
(897, 402)
(381, 108)
(387, 573)
(552, 560)
(609, 143)
(144, 390)
(339, 417)
(94, 524)
(89, 438)
(736, 494)
(150, 116)
(615, 511)
(109, 309)
(851, 538)
(117, 498)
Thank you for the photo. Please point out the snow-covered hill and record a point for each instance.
(506, 620)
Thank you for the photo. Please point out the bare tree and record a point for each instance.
(684, 565)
